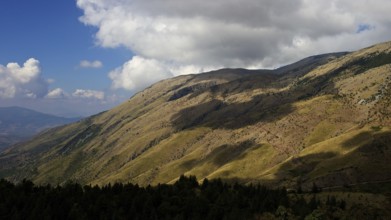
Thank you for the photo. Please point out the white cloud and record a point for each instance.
(178, 34)
(57, 93)
(22, 81)
(235, 33)
(25, 74)
(88, 94)
(23, 85)
(90, 64)
(139, 72)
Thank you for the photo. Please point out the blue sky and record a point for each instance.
(50, 32)
(80, 57)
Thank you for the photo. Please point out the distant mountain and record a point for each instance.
(17, 124)
(325, 119)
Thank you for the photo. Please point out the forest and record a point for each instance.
(185, 199)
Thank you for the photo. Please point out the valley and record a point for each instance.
(20, 124)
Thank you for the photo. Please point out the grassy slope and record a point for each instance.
(233, 124)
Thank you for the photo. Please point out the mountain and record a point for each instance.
(17, 124)
(325, 120)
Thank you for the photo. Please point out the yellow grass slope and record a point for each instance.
(325, 119)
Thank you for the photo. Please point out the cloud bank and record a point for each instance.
(26, 82)
(23, 85)
(193, 35)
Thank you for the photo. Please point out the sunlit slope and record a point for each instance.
(325, 119)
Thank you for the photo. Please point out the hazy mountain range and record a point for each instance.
(325, 119)
(17, 124)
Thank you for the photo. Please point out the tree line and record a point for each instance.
(185, 199)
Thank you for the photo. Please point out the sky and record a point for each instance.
(80, 57)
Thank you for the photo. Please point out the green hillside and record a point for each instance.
(324, 120)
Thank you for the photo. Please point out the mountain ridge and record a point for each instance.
(296, 124)
(18, 124)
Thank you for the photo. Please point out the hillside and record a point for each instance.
(17, 124)
(324, 120)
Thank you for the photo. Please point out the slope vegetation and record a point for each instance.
(324, 120)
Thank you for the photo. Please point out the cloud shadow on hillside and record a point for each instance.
(267, 107)
(377, 142)
(221, 155)
(301, 166)
(374, 152)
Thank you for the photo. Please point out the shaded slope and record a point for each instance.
(232, 123)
